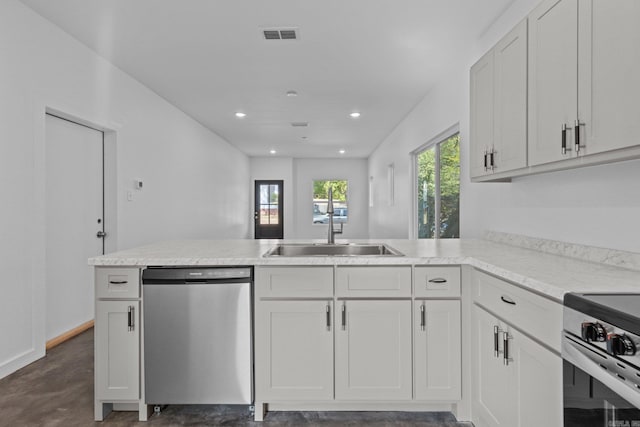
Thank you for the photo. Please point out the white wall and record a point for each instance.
(442, 108)
(195, 184)
(298, 176)
(596, 206)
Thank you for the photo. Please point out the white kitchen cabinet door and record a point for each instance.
(510, 107)
(294, 350)
(609, 85)
(493, 401)
(537, 376)
(525, 392)
(437, 350)
(482, 117)
(553, 77)
(117, 350)
(373, 350)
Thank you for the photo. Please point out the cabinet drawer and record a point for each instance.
(373, 281)
(292, 282)
(437, 282)
(539, 317)
(117, 282)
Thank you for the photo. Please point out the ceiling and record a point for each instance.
(210, 59)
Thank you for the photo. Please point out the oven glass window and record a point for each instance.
(589, 403)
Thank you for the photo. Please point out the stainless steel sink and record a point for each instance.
(347, 249)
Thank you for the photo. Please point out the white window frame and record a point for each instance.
(433, 142)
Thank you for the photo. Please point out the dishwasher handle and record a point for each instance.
(183, 275)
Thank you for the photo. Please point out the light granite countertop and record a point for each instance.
(544, 272)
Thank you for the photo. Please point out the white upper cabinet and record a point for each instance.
(510, 108)
(553, 76)
(582, 78)
(481, 114)
(499, 106)
(609, 81)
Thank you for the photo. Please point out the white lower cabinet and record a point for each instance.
(117, 331)
(373, 350)
(349, 338)
(117, 350)
(516, 381)
(437, 350)
(295, 342)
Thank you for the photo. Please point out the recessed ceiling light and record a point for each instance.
(355, 115)
(292, 93)
(240, 115)
(272, 151)
(341, 151)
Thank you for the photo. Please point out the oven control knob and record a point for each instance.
(593, 332)
(620, 345)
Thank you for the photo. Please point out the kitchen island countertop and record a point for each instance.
(546, 274)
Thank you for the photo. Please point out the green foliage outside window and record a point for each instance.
(321, 190)
(449, 190)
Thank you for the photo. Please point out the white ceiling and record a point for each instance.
(208, 57)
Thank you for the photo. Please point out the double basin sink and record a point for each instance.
(323, 249)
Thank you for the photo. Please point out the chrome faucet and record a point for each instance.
(331, 238)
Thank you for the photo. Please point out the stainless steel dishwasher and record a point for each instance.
(198, 335)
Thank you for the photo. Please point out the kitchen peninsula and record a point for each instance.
(436, 305)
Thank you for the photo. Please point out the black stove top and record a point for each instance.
(621, 310)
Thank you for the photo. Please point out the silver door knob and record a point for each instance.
(101, 234)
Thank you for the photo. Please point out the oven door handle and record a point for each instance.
(601, 366)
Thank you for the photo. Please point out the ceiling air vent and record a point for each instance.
(300, 124)
(280, 33)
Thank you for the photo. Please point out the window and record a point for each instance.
(438, 189)
(321, 198)
(269, 206)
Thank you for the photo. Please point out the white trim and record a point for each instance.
(37, 280)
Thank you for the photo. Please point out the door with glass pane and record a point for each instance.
(268, 214)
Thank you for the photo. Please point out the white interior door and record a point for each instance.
(74, 214)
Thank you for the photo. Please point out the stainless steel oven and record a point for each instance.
(600, 345)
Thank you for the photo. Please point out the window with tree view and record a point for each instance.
(321, 199)
(438, 189)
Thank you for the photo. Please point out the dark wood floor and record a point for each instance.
(57, 391)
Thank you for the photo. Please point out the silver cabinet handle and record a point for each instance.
(100, 234)
(328, 317)
(344, 316)
(423, 318)
(118, 282)
(486, 160)
(496, 340)
(505, 342)
(563, 146)
(492, 164)
(131, 322)
(438, 280)
(576, 130)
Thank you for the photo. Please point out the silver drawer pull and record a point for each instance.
(507, 300)
(438, 280)
(118, 282)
